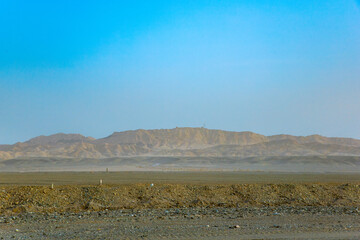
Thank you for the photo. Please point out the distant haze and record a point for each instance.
(183, 148)
(92, 67)
(183, 142)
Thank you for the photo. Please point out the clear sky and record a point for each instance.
(95, 67)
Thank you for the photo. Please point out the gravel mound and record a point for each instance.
(78, 198)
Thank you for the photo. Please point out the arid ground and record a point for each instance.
(189, 177)
(179, 205)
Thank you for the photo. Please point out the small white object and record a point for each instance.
(52, 186)
(151, 185)
(100, 182)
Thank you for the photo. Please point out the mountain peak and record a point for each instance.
(57, 138)
(185, 141)
(183, 137)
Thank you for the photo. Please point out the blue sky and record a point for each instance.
(94, 67)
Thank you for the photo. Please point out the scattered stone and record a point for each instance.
(236, 226)
(276, 226)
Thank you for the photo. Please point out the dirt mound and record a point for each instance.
(74, 198)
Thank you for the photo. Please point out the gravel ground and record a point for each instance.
(78, 198)
(181, 211)
(281, 222)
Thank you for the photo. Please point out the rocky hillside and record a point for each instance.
(180, 142)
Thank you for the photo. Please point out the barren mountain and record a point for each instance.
(183, 138)
(59, 138)
(185, 142)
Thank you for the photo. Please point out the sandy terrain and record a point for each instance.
(179, 205)
(189, 223)
(214, 177)
(294, 164)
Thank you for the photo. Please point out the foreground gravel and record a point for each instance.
(281, 222)
(181, 211)
(78, 198)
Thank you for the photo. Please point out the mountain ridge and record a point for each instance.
(180, 142)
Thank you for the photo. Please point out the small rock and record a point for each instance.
(236, 226)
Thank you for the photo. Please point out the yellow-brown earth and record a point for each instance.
(75, 198)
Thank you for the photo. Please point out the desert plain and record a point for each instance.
(182, 183)
(179, 205)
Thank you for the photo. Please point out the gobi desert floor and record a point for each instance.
(179, 205)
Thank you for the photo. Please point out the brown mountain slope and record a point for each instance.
(318, 139)
(59, 138)
(183, 138)
(273, 148)
(180, 142)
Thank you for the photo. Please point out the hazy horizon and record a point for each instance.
(168, 129)
(269, 67)
(134, 130)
